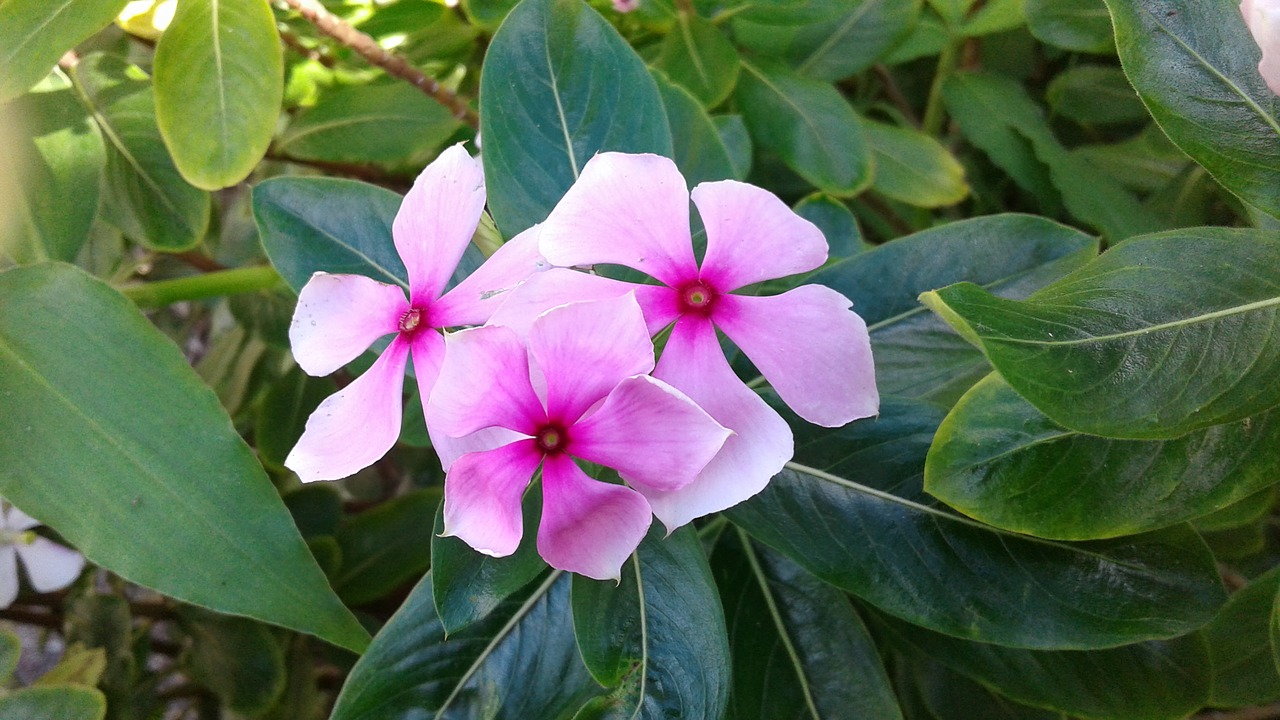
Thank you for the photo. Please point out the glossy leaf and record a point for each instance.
(386, 547)
(1079, 25)
(559, 86)
(699, 151)
(197, 521)
(852, 511)
(837, 223)
(913, 168)
(799, 649)
(34, 34)
(218, 128)
(1160, 336)
(697, 56)
(999, 460)
(809, 124)
(1195, 65)
(916, 355)
(1240, 647)
(658, 637)
(239, 660)
(55, 702)
(519, 662)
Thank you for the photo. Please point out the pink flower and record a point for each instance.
(625, 6)
(633, 210)
(339, 316)
(578, 389)
(1263, 19)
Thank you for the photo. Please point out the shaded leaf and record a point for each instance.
(385, 547)
(1240, 647)
(697, 56)
(239, 660)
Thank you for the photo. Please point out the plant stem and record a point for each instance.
(198, 287)
(933, 112)
(395, 65)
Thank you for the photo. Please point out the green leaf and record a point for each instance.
(837, 47)
(34, 34)
(658, 636)
(386, 547)
(1094, 95)
(913, 168)
(1079, 25)
(283, 413)
(809, 124)
(952, 696)
(219, 127)
(1195, 66)
(699, 151)
(881, 538)
(1159, 336)
(1243, 512)
(316, 509)
(1145, 162)
(393, 124)
(799, 649)
(10, 652)
(1146, 681)
(198, 521)
(145, 195)
(519, 662)
(999, 460)
(60, 702)
(559, 86)
(915, 353)
(60, 156)
(239, 660)
(1240, 646)
(837, 223)
(697, 56)
(733, 132)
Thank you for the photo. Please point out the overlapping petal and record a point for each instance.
(753, 236)
(630, 210)
(426, 348)
(474, 300)
(811, 348)
(482, 496)
(588, 527)
(651, 433)
(437, 219)
(16, 520)
(49, 565)
(761, 444)
(357, 425)
(553, 288)
(484, 382)
(339, 316)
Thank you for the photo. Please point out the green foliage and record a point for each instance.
(35, 33)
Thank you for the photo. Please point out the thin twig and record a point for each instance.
(395, 65)
(294, 43)
(199, 261)
(895, 95)
(368, 173)
(52, 621)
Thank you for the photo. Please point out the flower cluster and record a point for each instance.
(556, 365)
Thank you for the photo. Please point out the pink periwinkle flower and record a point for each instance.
(577, 387)
(633, 210)
(339, 316)
(1263, 19)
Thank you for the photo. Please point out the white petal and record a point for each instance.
(50, 566)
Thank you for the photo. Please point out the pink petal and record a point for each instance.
(339, 316)
(8, 575)
(482, 494)
(588, 527)
(585, 349)
(50, 566)
(553, 288)
(484, 382)
(811, 347)
(761, 443)
(355, 426)
(474, 300)
(630, 210)
(18, 521)
(753, 236)
(449, 449)
(651, 433)
(427, 351)
(437, 219)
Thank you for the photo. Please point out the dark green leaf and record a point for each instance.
(1095, 94)
(283, 413)
(385, 547)
(913, 168)
(1145, 162)
(10, 651)
(837, 223)
(1240, 647)
(838, 47)
(316, 509)
(1079, 25)
(733, 132)
(952, 696)
(1243, 512)
(239, 660)
(697, 56)
(55, 702)
(35, 33)
(700, 153)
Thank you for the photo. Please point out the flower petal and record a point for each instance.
(588, 527)
(474, 300)
(811, 347)
(484, 382)
(437, 219)
(449, 449)
(339, 316)
(427, 351)
(651, 433)
(18, 521)
(761, 443)
(355, 426)
(8, 575)
(482, 494)
(630, 210)
(585, 349)
(550, 289)
(753, 236)
(50, 566)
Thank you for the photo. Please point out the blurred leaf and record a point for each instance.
(1242, 512)
(34, 34)
(952, 696)
(198, 521)
(283, 413)
(316, 509)
(79, 666)
(837, 223)
(1159, 336)
(66, 702)
(105, 622)
(913, 168)
(10, 652)
(219, 81)
(837, 47)
(792, 12)
(559, 86)
(1145, 162)
(697, 56)
(994, 16)
(301, 699)
(1094, 95)
(1078, 25)
(1240, 646)
(386, 547)
(733, 132)
(488, 14)
(238, 659)
(1195, 65)
(997, 459)
(700, 153)
(234, 366)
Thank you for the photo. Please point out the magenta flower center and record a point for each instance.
(552, 439)
(697, 297)
(412, 320)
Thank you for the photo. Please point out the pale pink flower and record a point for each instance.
(339, 316)
(1263, 19)
(633, 210)
(625, 6)
(578, 387)
(49, 565)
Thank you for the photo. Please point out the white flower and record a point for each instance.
(1263, 19)
(49, 565)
